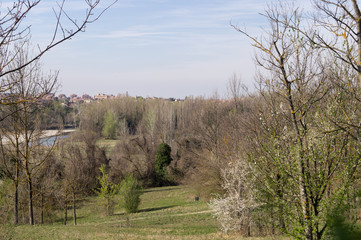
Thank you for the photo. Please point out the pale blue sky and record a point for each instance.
(163, 48)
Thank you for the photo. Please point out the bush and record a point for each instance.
(129, 194)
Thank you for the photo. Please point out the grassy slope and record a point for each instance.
(165, 213)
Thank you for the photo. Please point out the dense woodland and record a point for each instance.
(284, 159)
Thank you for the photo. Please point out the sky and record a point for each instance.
(161, 48)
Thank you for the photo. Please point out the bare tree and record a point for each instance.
(21, 131)
(74, 179)
(236, 90)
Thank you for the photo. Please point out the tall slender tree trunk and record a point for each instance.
(23, 212)
(16, 196)
(42, 209)
(16, 204)
(31, 210)
(65, 213)
(304, 202)
(74, 208)
(16, 193)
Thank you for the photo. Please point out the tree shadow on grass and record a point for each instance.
(159, 190)
(147, 210)
(155, 209)
(69, 219)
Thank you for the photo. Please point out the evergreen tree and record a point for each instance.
(162, 160)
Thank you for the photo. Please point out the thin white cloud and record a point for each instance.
(169, 22)
(130, 34)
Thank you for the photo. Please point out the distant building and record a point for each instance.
(76, 100)
(86, 97)
(101, 96)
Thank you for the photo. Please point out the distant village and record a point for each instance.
(86, 98)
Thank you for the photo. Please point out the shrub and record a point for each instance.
(106, 192)
(129, 194)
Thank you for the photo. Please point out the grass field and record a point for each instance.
(165, 213)
(107, 144)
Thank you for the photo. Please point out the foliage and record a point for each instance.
(129, 194)
(106, 192)
(5, 204)
(342, 224)
(339, 229)
(110, 126)
(162, 160)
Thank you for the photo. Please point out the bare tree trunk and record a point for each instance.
(42, 209)
(249, 230)
(16, 194)
(74, 208)
(16, 204)
(305, 204)
(65, 213)
(31, 210)
(23, 212)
